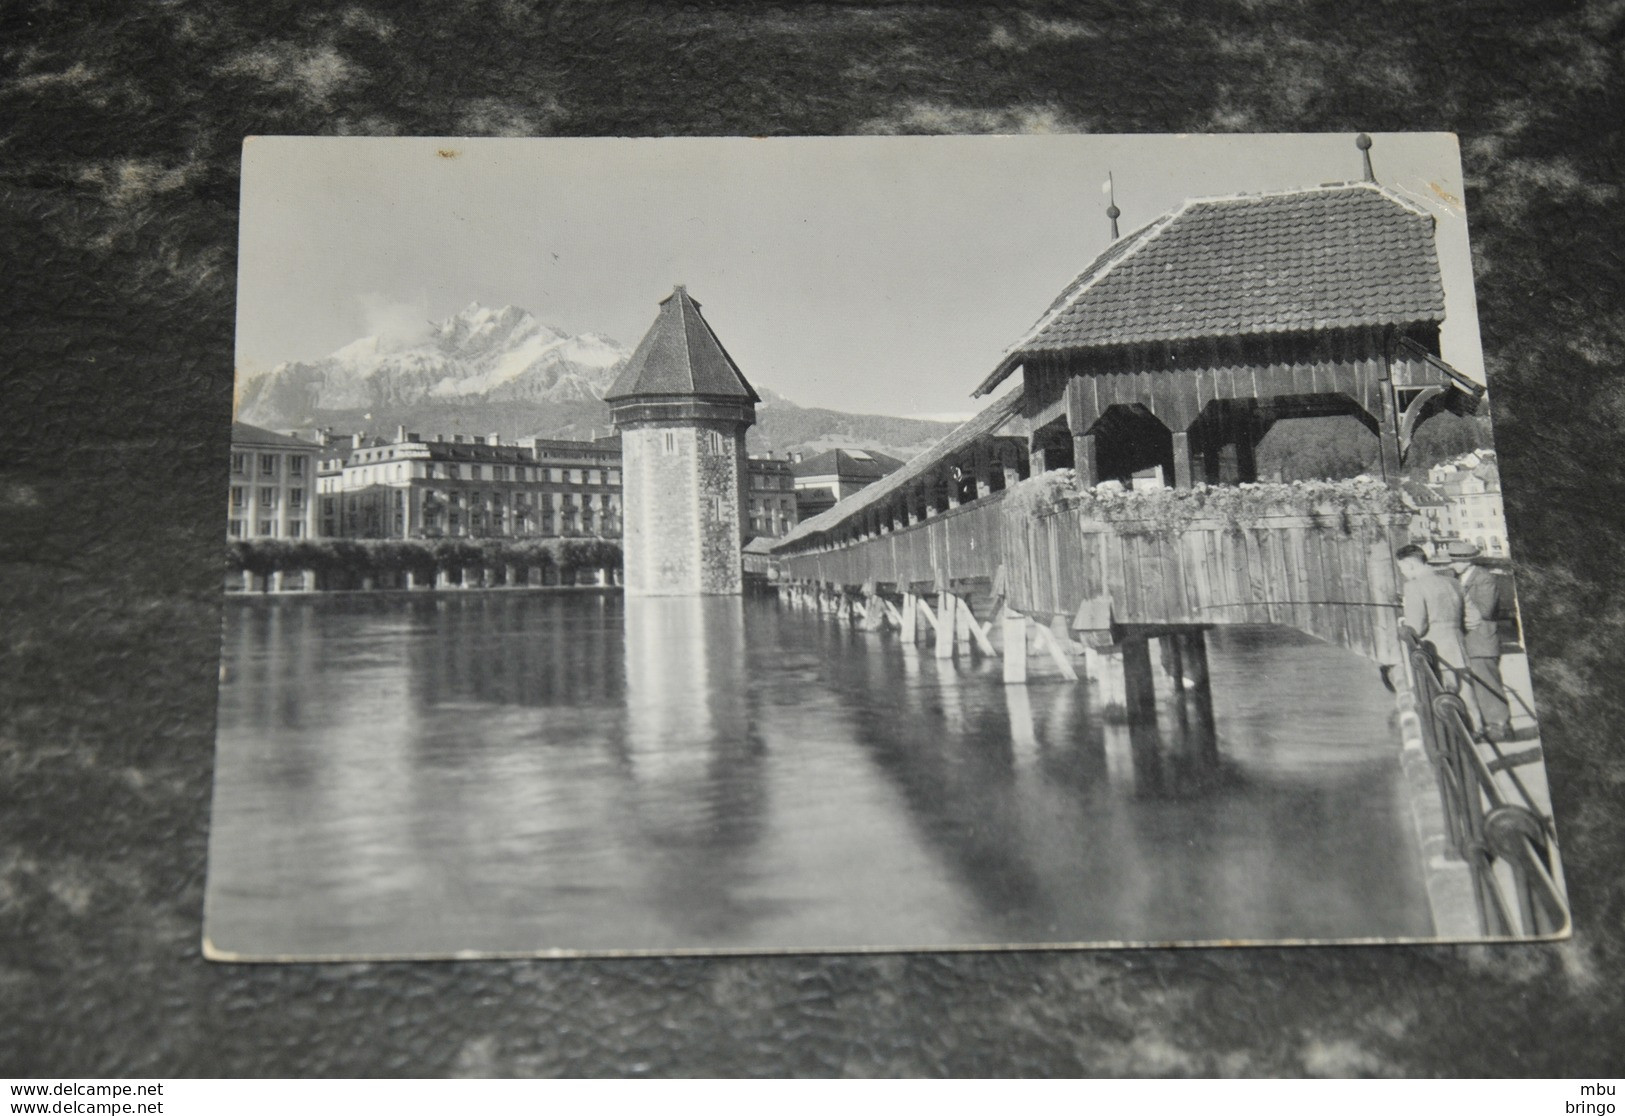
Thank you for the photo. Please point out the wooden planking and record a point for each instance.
(1302, 586)
(1337, 590)
(1288, 569)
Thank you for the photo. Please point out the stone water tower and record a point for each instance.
(682, 407)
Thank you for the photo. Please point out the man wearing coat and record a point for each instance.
(1491, 602)
(1433, 607)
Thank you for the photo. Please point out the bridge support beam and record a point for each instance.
(1058, 651)
(973, 631)
(945, 624)
(908, 624)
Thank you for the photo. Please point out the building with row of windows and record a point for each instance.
(466, 486)
(458, 486)
(770, 498)
(273, 482)
(1460, 499)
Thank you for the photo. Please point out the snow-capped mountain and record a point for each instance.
(478, 356)
(486, 371)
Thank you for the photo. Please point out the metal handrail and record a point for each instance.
(1484, 827)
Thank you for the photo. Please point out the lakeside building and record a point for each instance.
(770, 497)
(826, 478)
(409, 486)
(273, 479)
(469, 487)
(1460, 499)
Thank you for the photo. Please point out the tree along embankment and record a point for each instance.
(332, 564)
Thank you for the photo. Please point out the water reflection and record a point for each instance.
(521, 771)
(696, 792)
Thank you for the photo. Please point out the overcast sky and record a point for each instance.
(872, 274)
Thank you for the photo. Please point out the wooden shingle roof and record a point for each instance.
(1333, 257)
(680, 355)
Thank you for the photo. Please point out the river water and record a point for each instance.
(434, 773)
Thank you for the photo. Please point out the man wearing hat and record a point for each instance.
(1489, 602)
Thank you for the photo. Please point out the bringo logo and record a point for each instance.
(1593, 1108)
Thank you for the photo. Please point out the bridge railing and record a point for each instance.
(1329, 576)
(1507, 841)
(960, 544)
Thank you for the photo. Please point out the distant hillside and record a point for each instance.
(783, 427)
(1341, 447)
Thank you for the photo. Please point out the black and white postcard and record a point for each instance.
(752, 545)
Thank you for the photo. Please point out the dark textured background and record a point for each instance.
(120, 125)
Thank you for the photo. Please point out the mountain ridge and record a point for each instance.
(502, 371)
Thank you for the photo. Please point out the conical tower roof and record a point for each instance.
(680, 355)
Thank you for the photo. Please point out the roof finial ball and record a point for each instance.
(1363, 142)
(1110, 188)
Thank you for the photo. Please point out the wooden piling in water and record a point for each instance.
(962, 625)
(1139, 685)
(1200, 692)
(1015, 647)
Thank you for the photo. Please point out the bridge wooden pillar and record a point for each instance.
(1247, 437)
(1085, 460)
(981, 474)
(1182, 459)
(1014, 626)
(874, 609)
(1388, 429)
(910, 618)
(1139, 686)
(1140, 707)
(945, 624)
(1193, 653)
(1214, 452)
(1173, 665)
(1012, 471)
(1105, 673)
(1078, 422)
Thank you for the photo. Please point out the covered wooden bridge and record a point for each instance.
(1170, 356)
